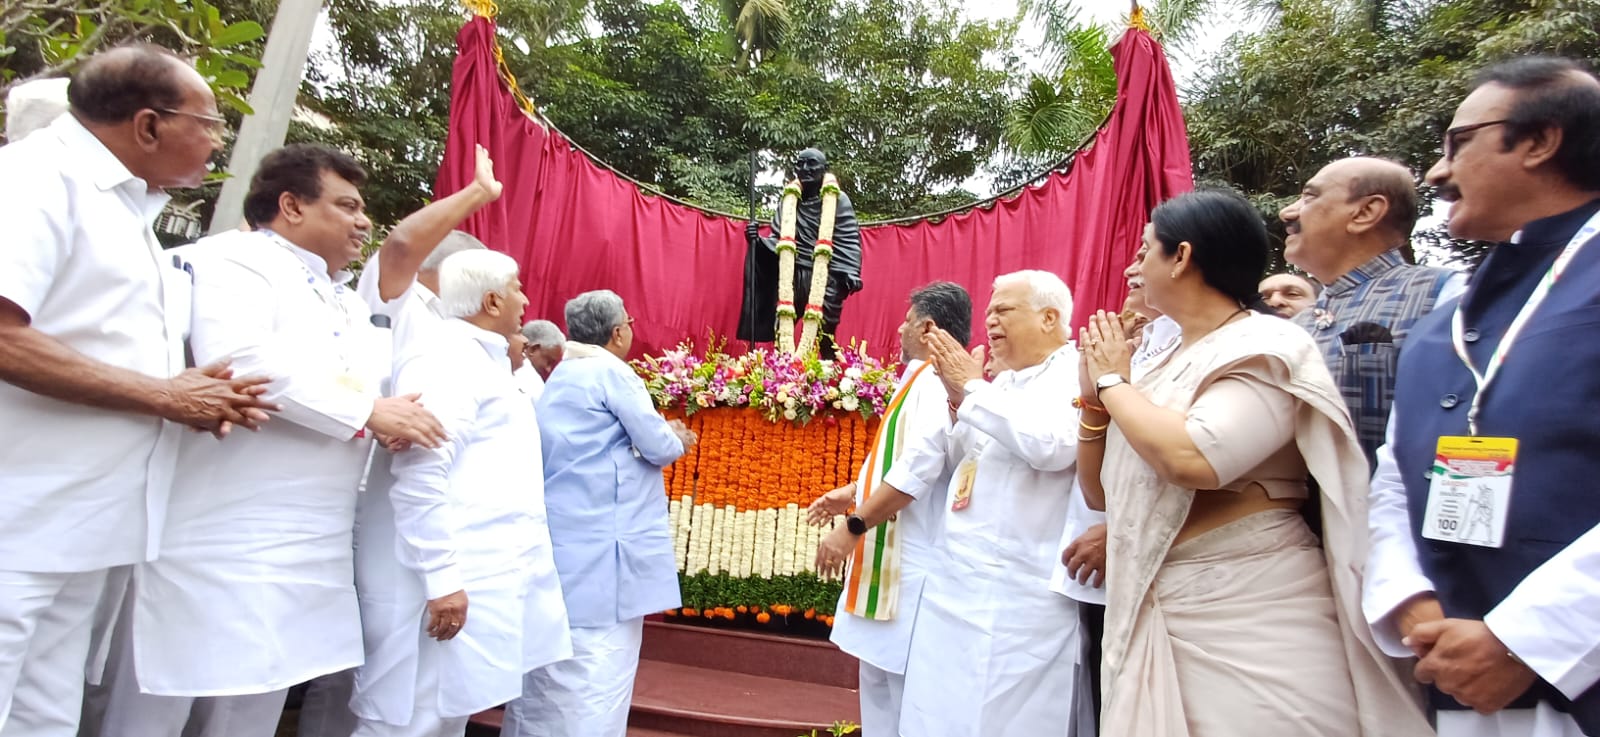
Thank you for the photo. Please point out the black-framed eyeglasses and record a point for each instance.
(1451, 146)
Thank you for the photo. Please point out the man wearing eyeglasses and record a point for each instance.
(93, 388)
(1485, 561)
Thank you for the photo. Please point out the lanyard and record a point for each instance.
(1540, 292)
(330, 293)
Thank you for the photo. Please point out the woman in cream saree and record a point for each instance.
(1225, 614)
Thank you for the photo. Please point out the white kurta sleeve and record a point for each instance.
(922, 461)
(425, 518)
(1552, 619)
(232, 320)
(1393, 572)
(1036, 422)
(38, 238)
(647, 430)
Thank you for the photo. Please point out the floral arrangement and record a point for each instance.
(781, 385)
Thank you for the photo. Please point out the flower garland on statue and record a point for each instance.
(821, 255)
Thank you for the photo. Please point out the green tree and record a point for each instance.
(48, 38)
(1331, 79)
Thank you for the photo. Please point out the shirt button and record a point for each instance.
(1449, 401)
(1470, 335)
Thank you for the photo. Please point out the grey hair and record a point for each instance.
(1045, 290)
(465, 277)
(454, 242)
(544, 334)
(592, 316)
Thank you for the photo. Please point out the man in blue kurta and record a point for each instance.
(604, 447)
(1494, 408)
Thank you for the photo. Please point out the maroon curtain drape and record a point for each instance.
(574, 226)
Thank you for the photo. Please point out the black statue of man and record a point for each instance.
(758, 319)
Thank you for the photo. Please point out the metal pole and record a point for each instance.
(283, 63)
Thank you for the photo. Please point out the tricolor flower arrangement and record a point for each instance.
(776, 431)
(782, 385)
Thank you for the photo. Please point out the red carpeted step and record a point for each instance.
(643, 732)
(714, 703)
(734, 652)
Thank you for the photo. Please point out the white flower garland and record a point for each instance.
(821, 254)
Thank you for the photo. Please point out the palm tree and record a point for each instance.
(757, 28)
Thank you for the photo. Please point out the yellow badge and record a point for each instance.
(1471, 491)
(352, 382)
(966, 473)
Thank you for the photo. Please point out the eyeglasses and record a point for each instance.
(1452, 145)
(216, 124)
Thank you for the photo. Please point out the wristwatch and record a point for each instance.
(1106, 382)
(855, 525)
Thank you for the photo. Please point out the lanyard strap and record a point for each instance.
(1540, 292)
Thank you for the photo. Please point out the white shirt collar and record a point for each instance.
(317, 265)
(1039, 368)
(494, 344)
(577, 351)
(103, 167)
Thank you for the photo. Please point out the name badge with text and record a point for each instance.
(1471, 491)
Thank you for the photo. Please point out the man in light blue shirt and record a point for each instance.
(604, 447)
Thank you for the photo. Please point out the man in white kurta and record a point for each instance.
(994, 650)
(604, 447)
(253, 592)
(543, 349)
(883, 583)
(93, 390)
(469, 526)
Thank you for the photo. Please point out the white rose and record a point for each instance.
(789, 414)
(853, 372)
(850, 404)
(847, 385)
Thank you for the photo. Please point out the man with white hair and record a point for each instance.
(542, 352)
(604, 448)
(325, 710)
(994, 650)
(483, 604)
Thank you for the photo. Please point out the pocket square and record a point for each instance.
(1366, 332)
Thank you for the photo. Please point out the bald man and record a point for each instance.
(1347, 230)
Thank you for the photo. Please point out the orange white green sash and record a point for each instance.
(872, 577)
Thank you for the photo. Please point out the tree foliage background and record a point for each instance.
(919, 107)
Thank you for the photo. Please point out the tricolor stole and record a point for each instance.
(872, 581)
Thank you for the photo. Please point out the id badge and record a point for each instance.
(1470, 491)
(966, 473)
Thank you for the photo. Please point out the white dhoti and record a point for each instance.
(426, 721)
(882, 693)
(586, 696)
(45, 625)
(988, 659)
(131, 713)
(1541, 721)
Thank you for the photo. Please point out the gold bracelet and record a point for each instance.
(1092, 438)
(1093, 428)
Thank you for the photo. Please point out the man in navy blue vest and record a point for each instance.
(1485, 508)
(1346, 230)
